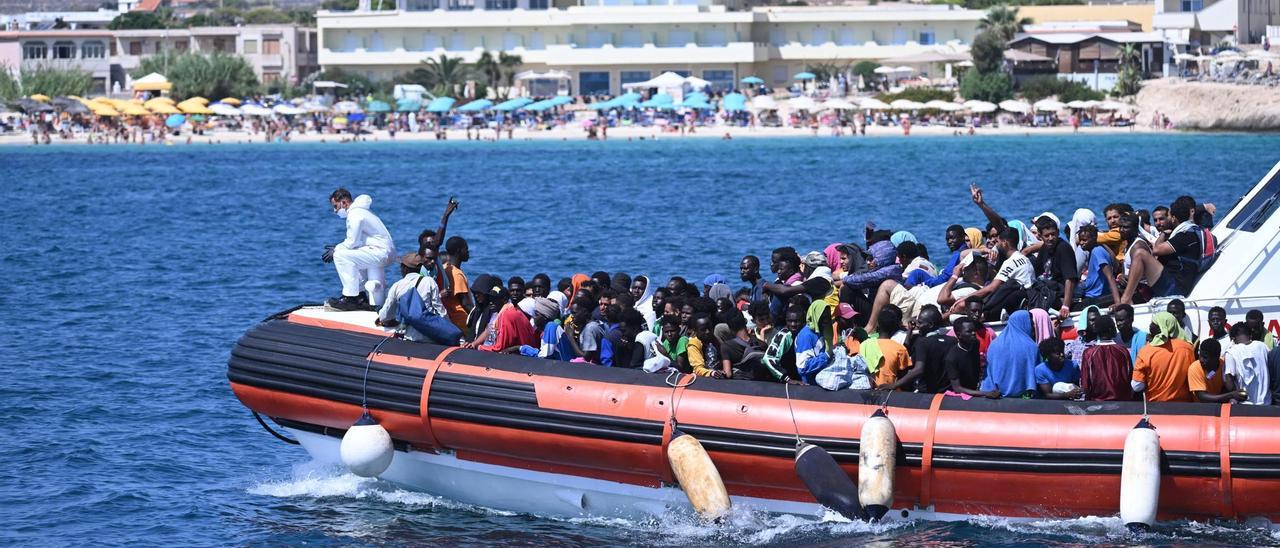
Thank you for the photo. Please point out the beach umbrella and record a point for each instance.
(103, 109)
(254, 109)
(512, 104)
(162, 108)
(659, 100)
(402, 105)
(763, 102)
(906, 104)
(1112, 105)
(441, 104)
(1015, 106)
(945, 106)
(885, 70)
(193, 107)
(339, 121)
(734, 102)
(152, 82)
(980, 107)
(752, 81)
(871, 103)
(904, 69)
(478, 105)
(697, 83)
(223, 109)
(378, 106)
(175, 120)
(71, 106)
(288, 110)
(356, 116)
(802, 103)
(230, 101)
(1049, 105)
(315, 107)
(131, 109)
(39, 97)
(837, 104)
(197, 99)
(346, 107)
(804, 76)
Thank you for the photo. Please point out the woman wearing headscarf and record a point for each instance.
(811, 342)
(882, 266)
(1012, 359)
(832, 252)
(1105, 367)
(1080, 218)
(1025, 236)
(643, 289)
(901, 236)
(576, 282)
(514, 328)
(1161, 369)
(973, 235)
(1043, 324)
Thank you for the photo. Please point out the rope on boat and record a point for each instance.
(786, 389)
(674, 383)
(272, 431)
(364, 385)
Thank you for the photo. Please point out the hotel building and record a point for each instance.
(603, 44)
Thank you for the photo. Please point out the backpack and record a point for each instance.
(845, 371)
(1207, 256)
(412, 311)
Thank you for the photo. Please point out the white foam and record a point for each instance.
(325, 480)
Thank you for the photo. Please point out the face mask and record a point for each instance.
(342, 213)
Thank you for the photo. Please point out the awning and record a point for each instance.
(441, 104)
(1019, 56)
(926, 57)
(408, 105)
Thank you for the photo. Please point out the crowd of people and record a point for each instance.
(877, 314)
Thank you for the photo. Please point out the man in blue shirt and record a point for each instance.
(956, 242)
(1099, 277)
(1056, 370)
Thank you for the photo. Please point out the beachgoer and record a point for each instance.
(1161, 369)
(1057, 378)
(1106, 370)
(361, 259)
(1245, 366)
(1205, 376)
(1012, 359)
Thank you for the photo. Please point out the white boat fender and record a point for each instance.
(366, 448)
(697, 476)
(1140, 477)
(827, 482)
(877, 457)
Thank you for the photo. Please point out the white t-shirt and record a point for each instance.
(1248, 364)
(428, 290)
(1017, 268)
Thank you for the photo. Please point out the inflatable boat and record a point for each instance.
(560, 439)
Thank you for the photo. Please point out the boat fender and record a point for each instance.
(829, 484)
(1140, 477)
(366, 448)
(877, 456)
(697, 475)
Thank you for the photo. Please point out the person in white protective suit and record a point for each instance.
(362, 258)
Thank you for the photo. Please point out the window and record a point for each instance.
(535, 41)
(270, 77)
(351, 42)
(457, 42)
(927, 38)
(64, 50)
(135, 47)
(899, 36)
(180, 46)
(779, 74)
(113, 48)
(271, 46)
(1259, 208)
(219, 44)
(461, 5)
(431, 42)
(250, 46)
(538, 4)
(714, 38)
(683, 73)
(593, 83)
(631, 76)
(678, 38)
(632, 39)
(598, 39)
(376, 43)
(510, 41)
(422, 5)
(499, 4)
(777, 37)
(35, 50)
(819, 36)
(721, 80)
(846, 38)
(1192, 5)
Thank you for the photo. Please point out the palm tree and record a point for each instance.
(1004, 21)
(488, 68)
(445, 73)
(1129, 77)
(510, 64)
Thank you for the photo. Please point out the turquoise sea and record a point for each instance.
(131, 270)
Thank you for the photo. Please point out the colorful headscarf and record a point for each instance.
(901, 236)
(974, 235)
(1012, 357)
(1169, 329)
(576, 281)
(833, 256)
(1043, 324)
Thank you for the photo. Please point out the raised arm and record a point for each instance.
(976, 193)
(438, 239)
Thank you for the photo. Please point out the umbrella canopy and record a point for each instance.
(871, 103)
(29, 105)
(804, 76)
(103, 109)
(885, 70)
(70, 106)
(666, 80)
(152, 82)
(315, 107)
(1049, 105)
(39, 97)
(288, 110)
(378, 106)
(197, 99)
(402, 105)
(254, 109)
(700, 104)
(697, 83)
(193, 107)
(752, 81)
(837, 104)
(945, 106)
(440, 104)
(476, 106)
(162, 108)
(734, 102)
(175, 120)
(132, 109)
(1015, 106)
(223, 109)
(1184, 57)
(926, 57)
(906, 104)
(980, 107)
(659, 100)
(763, 102)
(802, 103)
(345, 107)
(1112, 105)
(548, 103)
(230, 101)
(512, 104)
(904, 69)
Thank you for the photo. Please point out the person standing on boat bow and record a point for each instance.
(362, 258)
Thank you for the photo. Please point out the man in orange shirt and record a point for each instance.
(1204, 377)
(458, 301)
(1161, 370)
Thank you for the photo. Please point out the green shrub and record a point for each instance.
(919, 95)
(991, 87)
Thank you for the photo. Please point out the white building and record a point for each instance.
(1192, 24)
(602, 44)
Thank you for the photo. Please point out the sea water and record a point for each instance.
(130, 271)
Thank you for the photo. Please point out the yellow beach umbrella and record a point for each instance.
(200, 100)
(131, 109)
(103, 109)
(39, 97)
(188, 107)
(163, 108)
(230, 101)
(157, 101)
(135, 101)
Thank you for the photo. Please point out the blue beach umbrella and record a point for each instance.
(752, 80)
(441, 104)
(355, 116)
(408, 105)
(512, 104)
(700, 104)
(378, 106)
(734, 102)
(476, 106)
(697, 96)
(660, 100)
(805, 76)
(175, 120)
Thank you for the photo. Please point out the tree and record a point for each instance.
(510, 64)
(988, 52)
(1043, 86)
(357, 85)
(867, 70)
(1004, 21)
(139, 20)
(1129, 79)
(265, 16)
(212, 76)
(10, 89)
(55, 81)
(986, 86)
(443, 75)
(215, 18)
(488, 69)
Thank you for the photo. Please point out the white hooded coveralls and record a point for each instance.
(365, 254)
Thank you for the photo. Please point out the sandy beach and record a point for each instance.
(615, 134)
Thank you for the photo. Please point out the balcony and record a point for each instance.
(361, 57)
(733, 52)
